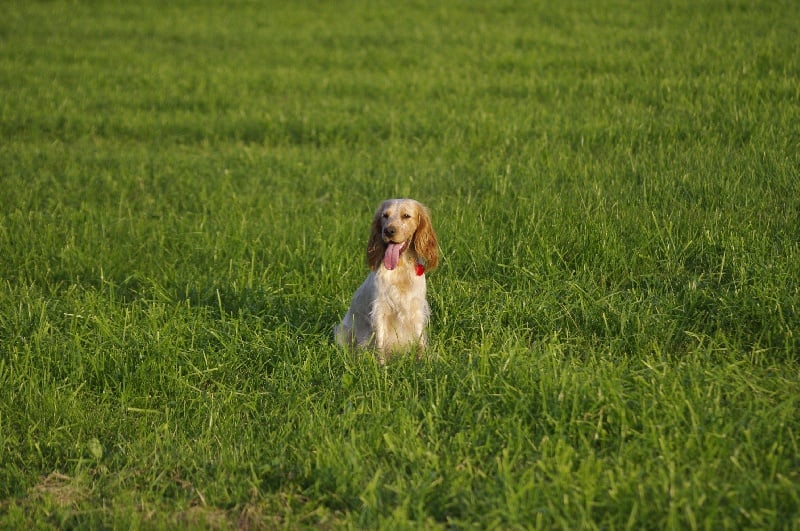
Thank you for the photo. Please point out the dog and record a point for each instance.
(389, 312)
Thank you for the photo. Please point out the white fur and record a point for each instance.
(385, 317)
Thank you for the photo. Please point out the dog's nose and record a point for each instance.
(389, 232)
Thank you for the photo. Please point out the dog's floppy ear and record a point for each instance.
(425, 242)
(375, 246)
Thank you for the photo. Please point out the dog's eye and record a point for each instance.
(406, 215)
(386, 214)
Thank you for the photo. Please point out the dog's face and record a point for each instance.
(404, 225)
(399, 219)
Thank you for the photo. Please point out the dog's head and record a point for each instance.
(402, 226)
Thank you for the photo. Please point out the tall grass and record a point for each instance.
(186, 194)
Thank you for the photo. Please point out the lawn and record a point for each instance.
(187, 190)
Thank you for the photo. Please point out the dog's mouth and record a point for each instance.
(391, 256)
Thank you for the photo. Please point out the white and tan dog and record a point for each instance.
(389, 311)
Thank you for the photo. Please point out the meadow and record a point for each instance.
(186, 193)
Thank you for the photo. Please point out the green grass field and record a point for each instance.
(186, 193)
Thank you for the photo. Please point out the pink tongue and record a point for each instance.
(392, 255)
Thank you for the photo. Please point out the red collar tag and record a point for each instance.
(419, 269)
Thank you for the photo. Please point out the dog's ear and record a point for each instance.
(425, 242)
(375, 246)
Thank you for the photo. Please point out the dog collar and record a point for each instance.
(419, 269)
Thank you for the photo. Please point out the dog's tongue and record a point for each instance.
(392, 255)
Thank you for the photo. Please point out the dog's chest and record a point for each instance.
(400, 288)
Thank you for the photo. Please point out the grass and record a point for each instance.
(187, 190)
